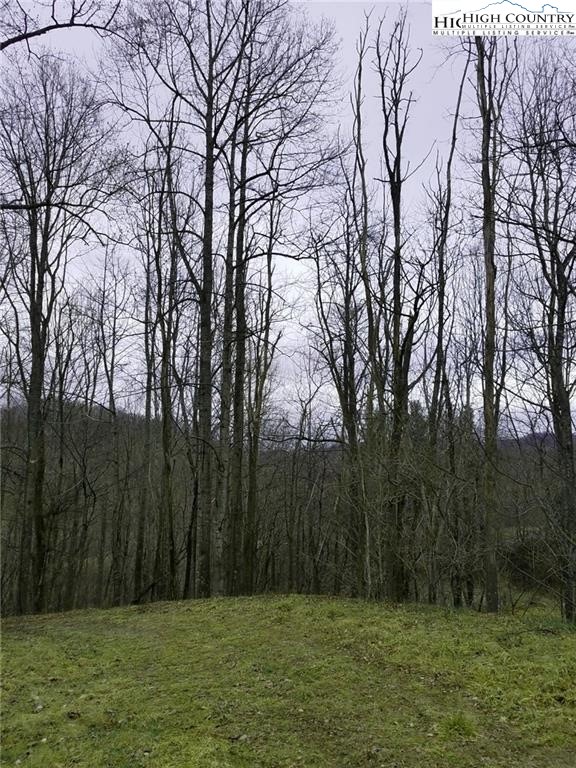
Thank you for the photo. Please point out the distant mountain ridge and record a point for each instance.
(546, 8)
(553, 8)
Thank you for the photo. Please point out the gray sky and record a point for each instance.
(434, 83)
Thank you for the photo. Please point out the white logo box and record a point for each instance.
(528, 18)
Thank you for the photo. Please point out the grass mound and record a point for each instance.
(281, 682)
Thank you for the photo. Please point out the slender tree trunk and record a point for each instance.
(235, 566)
(205, 505)
(222, 529)
(489, 492)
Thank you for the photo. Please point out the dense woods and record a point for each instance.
(237, 357)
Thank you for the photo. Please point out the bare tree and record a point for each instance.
(494, 65)
(20, 25)
(55, 176)
(541, 219)
(395, 64)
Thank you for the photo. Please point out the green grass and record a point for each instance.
(288, 681)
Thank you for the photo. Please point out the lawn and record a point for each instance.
(288, 681)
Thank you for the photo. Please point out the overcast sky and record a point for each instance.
(434, 83)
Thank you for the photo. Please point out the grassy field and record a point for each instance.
(288, 681)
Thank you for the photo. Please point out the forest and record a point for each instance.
(237, 357)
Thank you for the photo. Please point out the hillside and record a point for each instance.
(288, 681)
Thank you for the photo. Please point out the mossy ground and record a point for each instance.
(288, 681)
